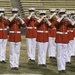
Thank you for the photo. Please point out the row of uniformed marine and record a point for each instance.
(55, 33)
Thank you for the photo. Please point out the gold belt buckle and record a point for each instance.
(15, 31)
(33, 27)
(2, 28)
(63, 32)
(43, 31)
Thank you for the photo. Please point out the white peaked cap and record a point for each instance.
(68, 12)
(62, 10)
(31, 9)
(2, 9)
(52, 9)
(72, 12)
(14, 9)
(42, 11)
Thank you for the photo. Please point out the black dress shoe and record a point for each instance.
(14, 68)
(60, 71)
(42, 65)
(68, 62)
(64, 71)
(30, 60)
(72, 56)
(3, 61)
(52, 57)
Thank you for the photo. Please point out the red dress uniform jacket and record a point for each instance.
(74, 30)
(3, 28)
(31, 31)
(14, 30)
(52, 31)
(42, 32)
(62, 34)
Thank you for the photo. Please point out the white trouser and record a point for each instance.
(3, 43)
(69, 48)
(72, 47)
(51, 47)
(31, 48)
(42, 50)
(61, 56)
(14, 54)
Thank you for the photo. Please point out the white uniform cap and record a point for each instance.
(14, 9)
(72, 12)
(31, 9)
(52, 9)
(62, 10)
(42, 12)
(68, 12)
(2, 9)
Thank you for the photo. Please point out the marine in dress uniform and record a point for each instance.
(61, 40)
(15, 38)
(73, 16)
(42, 37)
(71, 38)
(73, 31)
(31, 34)
(74, 36)
(3, 35)
(52, 35)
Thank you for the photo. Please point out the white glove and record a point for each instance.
(35, 16)
(30, 15)
(59, 19)
(49, 23)
(56, 17)
(41, 18)
(64, 15)
(15, 15)
(11, 18)
(72, 22)
(5, 17)
(51, 16)
(22, 22)
(1, 14)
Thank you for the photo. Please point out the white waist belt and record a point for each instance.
(54, 28)
(15, 32)
(69, 30)
(62, 32)
(31, 27)
(42, 31)
(3, 29)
